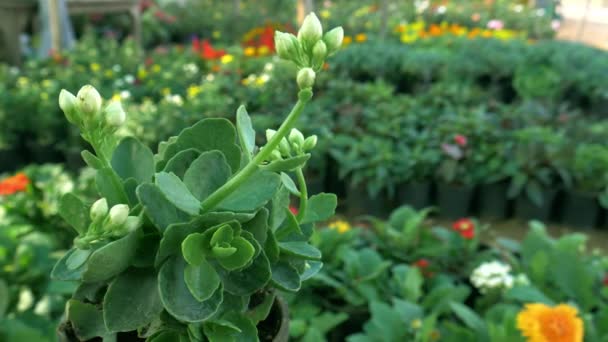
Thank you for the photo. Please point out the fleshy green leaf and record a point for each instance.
(180, 163)
(285, 277)
(176, 296)
(311, 269)
(289, 184)
(86, 320)
(111, 259)
(242, 256)
(258, 226)
(74, 212)
(223, 333)
(78, 258)
(132, 159)
(206, 174)
(192, 249)
(289, 164)
(300, 249)
(159, 209)
(61, 270)
(202, 280)
(248, 280)
(4, 298)
(223, 234)
(132, 300)
(245, 131)
(110, 186)
(177, 193)
(91, 160)
(320, 207)
(254, 193)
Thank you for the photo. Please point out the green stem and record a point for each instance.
(303, 195)
(229, 187)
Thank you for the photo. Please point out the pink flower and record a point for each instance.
(495, 24)
(460, 140)
(555, 24)
(452, 151)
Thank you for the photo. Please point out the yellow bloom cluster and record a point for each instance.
(541, 323)
(414, 31)
(340, 225)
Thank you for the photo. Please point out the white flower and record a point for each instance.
(210, 78)
(492, 275)
(518, 8)
(175, 99)
(26, 300)
(441, 9)
(129, 79)
(190, 68)
(43, 307)
(125, 94)
(268, 67)
(116, 68)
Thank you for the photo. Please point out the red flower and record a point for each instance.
(11, 185)
(460, 140)
(422, 263)
(293, 210)
(605, 281)
(465, 227)
(206, 50)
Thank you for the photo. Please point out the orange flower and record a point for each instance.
(541, 323)
(11, 185)
(361, 37)
(347, 40)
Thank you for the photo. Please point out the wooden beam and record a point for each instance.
(55, 24)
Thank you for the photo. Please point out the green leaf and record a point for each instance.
(253, 193)
(223, 234)
(206, 174)
(248, 280)
(78, 258)
(192, 249)
(132, 159)
(471, 319)
(166, 336)
(320, 207)
(290, 230)
(279, 203)
(245, 131)
(177, 298)
(223, 333)
(258, 226)
(111, 259)
(110, 186)
(132, 300)
(4, 298)
(311, 269)
(244, 252)
(289, 164)
(289, 184)
(61, 270)
(159, 209)
(74, 212)
(527, 294)
(180, 163)
(91, 160)
(260, 312)
(300, 249)
(285, 277)
(130, 186)
(86, 320)
(202, 280)
(271, 247)
(177, 193)
(207, 135)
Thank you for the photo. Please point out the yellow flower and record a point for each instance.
(142, 73)
(165, 91)
(416, 324)
(226, 59)
(361, 37)
(409, 37)
(249, 51)
(541, 323)
(260, 81)
(347, 40)
(193, 91)
(340, 225)
(44, 96)
(263, 50)
(95, 67)
(108, 73)
(156, 68)
(216, 34)
(23, 81)
(47, 83)
(116, 97)
(325, 14)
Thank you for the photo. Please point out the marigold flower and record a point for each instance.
(340, 225)
(347, 40)
(249, 51)
(14, 184)
(226, 59)
(465, 227)
(541, 323)
(361, 37)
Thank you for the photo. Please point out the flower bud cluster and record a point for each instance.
(85, 109)
(111, 222)
(294, 144)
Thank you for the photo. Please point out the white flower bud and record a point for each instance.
(132, 223)
(296, 137)
(310, 143)
(276, 155)
(118, 215)
(306, 78)
(286, 45)
(99, 209)
(68, 103)
(310, 32)
(333, 39)
(115, 115)
(89, 100)
(270, 133)
(284, 147)
(319, 53)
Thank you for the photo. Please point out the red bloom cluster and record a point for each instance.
(465, 227)
(605, 281)
(293, 210)
(423, 266)
(422, 263)
(11, 185)
(460, 140)
(206, 50)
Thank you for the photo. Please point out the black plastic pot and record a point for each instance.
(315, 185)
(580, 209)
(492, 202)
(417, 195)
(526, 210)
(333, 183)
(10, 160)
(454, 201)
(360, 202)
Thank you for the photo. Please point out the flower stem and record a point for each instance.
(229, 187)
(303, 195)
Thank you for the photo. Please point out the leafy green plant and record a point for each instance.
(202, 228)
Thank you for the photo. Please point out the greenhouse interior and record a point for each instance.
(304, 170)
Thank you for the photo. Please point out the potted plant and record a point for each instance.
(536, 172)
(454, 187)
(589, 170)
(192, 243)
